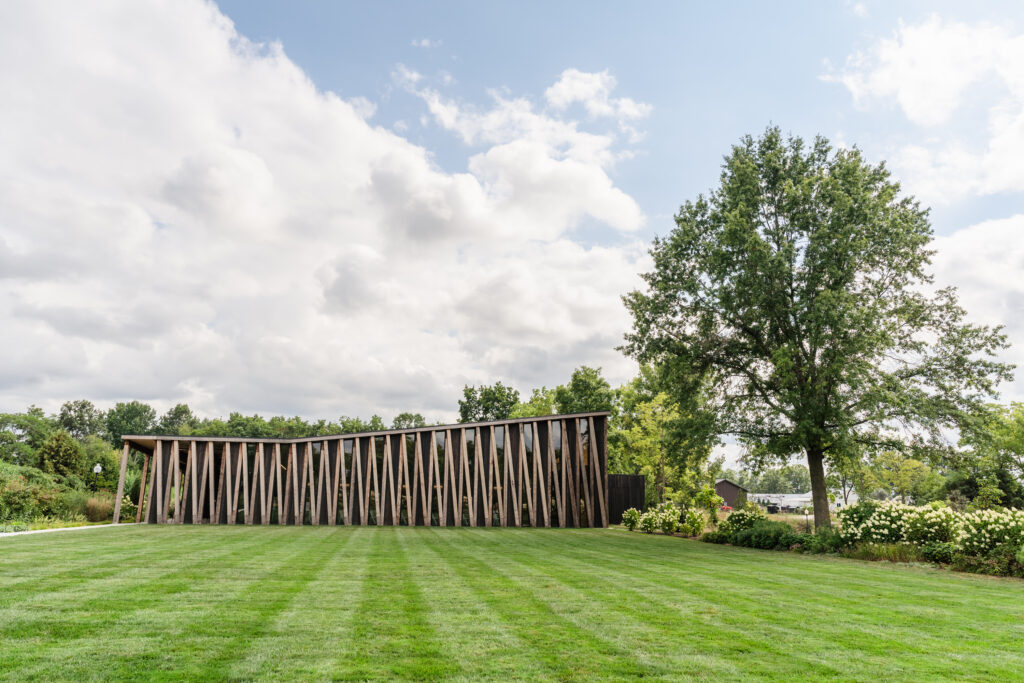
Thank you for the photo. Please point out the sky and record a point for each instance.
(327, 208)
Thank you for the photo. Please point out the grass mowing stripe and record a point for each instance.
(391, 624)
(570, 652)
(269, 605)
(482, 642)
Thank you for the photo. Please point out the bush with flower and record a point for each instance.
(745, 518)
(982, 531)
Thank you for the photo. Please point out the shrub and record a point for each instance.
(13, 526)
(693, 523)
(707, 499)
(999, 561)
(18, 500)
(649, 522)
(740, 520)
(932, 524)
(72, 503)
(939, 552)
(886, 523)
(630, 518)
(717, 537)
(767, 536)
(984, 530)
(99, 509)
(668, 518)
(129, 510)
(825, 540)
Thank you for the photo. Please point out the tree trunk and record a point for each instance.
(819, 490)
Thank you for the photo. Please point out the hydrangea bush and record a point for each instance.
(971, 533)
(739, 520)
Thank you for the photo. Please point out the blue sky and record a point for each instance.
(711, 71)
(334, 209)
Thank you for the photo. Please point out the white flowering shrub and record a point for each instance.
(693, 522)
(933, 524)
(971, 533)
(983, 530)
(738, 520)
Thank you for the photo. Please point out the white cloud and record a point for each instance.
(593, 91)
(184, 216)
(935, 71)
(985, 262)
(426, 42)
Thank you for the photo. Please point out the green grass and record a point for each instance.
(357, 603)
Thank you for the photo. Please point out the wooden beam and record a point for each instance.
(466, 481)
(187, 491)
(120, 484)
(258, 489)
(341, 479)
(569, 462)
(193, 493)
(176, 468)
(158, 469)
(144, 489)
(540, 479)
(599, 475)
(584, 476)
(281, 513)
(496, 476)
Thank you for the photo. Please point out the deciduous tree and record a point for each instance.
(796, 298)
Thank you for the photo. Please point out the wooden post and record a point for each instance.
(185, 487)
(158, 470)
(120, 484)
(540, 479)
(599, 478)
(143, 488)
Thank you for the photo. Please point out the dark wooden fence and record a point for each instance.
(624, 491)
(537, 471)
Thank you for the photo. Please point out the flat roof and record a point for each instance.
(148, 441)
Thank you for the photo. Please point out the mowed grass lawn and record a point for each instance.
(356, 603)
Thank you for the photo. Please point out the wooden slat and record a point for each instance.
(437, 486)
(332, 497)
(511, 480)
(554, 474)
(387, 484)
(540, 480)
(193, 484)
(203, 478)
(364, 505)
(496, 475)
(483, 476)
(258, 488)
(123, 467)
(224, 482)
(569, 462)
(419, 494)
(158, 464)
(404, 489)
(243, 456)
(584, 476)
(187, 492)
(342, 478)
(465, 481)
(281, 514)
(453, 494)
(599, 476)
(176, 488)
(285, 513)
(144, 489)
(524, 478)
(314, 488)
(373, 482)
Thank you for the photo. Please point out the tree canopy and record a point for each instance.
(795, 299)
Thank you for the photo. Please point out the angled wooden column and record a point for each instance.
(333, 479)
(358, 501)
(569, 465)
(404, 490)
(451, 492)
(554, 472)
(540, 479)
(341, 483)
(276, 486)
(373, 489)
(387, 509)
(436, 492)
(483, 479)
(525, 488)
(175, 489)
(144, 489)
(584, 475)
(496, 474)
(419, 493)
(120, 484)
(465, 481)
(158, 494)
(257, 488)
(600, 474)
(187, 490)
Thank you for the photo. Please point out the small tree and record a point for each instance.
(587, 391)
(408, 421)
(61, 454)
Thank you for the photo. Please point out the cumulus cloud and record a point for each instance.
(185, 216)
(933, 71)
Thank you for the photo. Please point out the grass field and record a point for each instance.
(356, 603)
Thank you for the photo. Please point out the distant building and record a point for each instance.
(732, 493)
(793, 502)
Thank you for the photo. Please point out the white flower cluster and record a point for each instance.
(986, 529)
(974, 533)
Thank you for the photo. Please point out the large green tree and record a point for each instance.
(587, 391)
(495, 402)
(81, 419)
(133, 417)
(796, 299)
